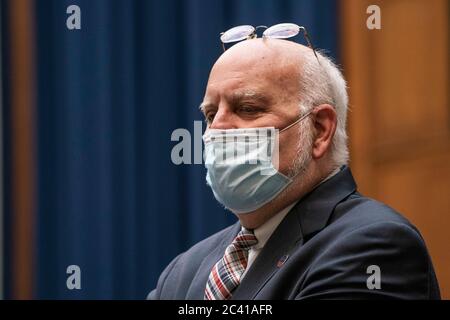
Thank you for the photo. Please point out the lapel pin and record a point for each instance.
(282, 260)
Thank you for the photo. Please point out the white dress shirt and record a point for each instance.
(263, 232)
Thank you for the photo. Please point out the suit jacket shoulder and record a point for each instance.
(176, 278)
(368, 250)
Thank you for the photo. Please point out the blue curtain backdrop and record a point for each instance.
(109, 97)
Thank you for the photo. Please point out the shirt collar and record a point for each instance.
(263, 232)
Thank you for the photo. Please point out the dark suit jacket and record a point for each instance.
(321, 249)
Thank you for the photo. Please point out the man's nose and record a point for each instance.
(224, 119)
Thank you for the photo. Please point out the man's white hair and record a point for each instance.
(324, 84)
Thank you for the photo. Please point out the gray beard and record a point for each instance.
(304, 149)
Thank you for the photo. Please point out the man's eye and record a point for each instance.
(210, 117)
(248, 109)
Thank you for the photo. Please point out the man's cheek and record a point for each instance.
(286, 159)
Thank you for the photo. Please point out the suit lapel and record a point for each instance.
(287, 236)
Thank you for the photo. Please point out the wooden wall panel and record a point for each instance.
(399, 123)
(411, 64)
(22, 147)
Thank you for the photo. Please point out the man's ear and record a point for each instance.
(325, 122)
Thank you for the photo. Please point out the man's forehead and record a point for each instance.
(259, 58)
(264, 53)
(252, 67)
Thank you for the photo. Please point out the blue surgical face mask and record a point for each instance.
(242, 166)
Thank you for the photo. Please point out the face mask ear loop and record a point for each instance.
(297, 121)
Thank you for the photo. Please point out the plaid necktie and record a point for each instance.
(226, 274)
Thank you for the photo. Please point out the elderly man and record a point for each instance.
(303, 231)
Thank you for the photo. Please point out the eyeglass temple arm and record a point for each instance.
(308, 39)
(223, 44)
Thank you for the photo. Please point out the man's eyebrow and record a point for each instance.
(238, 96)
(248, 95)
(204, 105)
